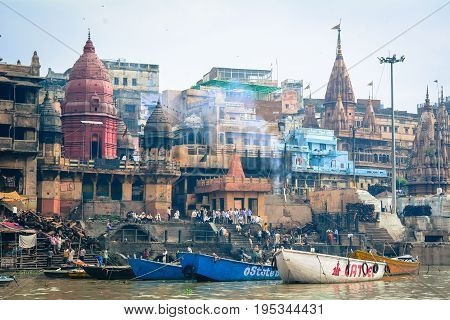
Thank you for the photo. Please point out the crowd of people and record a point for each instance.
(230, 216)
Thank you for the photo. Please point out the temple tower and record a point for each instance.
(339, 84)
(89, 117)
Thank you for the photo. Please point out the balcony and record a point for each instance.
(5, 143)
(25, 146)
(6, 105)
(26, 108)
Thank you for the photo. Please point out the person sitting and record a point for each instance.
(176, 215)
(238, 228)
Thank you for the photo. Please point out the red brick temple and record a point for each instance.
(89, 117)
(235, 190)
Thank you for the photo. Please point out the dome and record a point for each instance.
(158, 129)
(193, 121)
(158, 122)
(89, 87)
(50, 120)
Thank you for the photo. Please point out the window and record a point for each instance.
(396, 129)
(116, 81)
(384, 129)
(134, 82)
(130, 108)
(125, 81)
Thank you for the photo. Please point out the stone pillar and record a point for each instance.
(49, 191)
(158, 197)
(127, 189)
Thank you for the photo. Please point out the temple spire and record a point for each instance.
(89, 33)
(427, 100)
(338, 47)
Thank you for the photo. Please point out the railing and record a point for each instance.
(5, 143)
(26, 108)
(6, 105)
(26, 146)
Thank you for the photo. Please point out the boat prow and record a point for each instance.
(402, 265)
(310, 267)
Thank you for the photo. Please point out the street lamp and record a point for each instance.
(392, 60)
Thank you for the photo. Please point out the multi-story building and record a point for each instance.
(136, 87)
(316, 162)
(19, 129)
(291, 96)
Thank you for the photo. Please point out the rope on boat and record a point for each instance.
(150, 272)
(323, 271)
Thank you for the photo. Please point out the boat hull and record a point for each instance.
(307, 267)
(56, 273)
(110, 273)
(209, 268)
(152, 270)
(5, 281)
(396, 267)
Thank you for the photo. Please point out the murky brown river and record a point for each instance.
(432, 285)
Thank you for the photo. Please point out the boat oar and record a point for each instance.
(15, 280)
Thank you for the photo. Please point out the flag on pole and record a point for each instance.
(307, 87)
(370, 83)
(435, 81)
(336, 27)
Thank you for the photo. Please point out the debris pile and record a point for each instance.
(49, 226)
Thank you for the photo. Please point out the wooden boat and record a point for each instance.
(395, 266)
(212, 268)
(6, 280)
(77, 274)
(153, 270)
(309, 267)
(109, 272)
(57, 273)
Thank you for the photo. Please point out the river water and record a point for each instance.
(431, 283)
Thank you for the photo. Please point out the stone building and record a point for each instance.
(234, 190)
(89, 117)
(364, 131)
(429, 169)
(100, 179)
(136, 91)
(19, 128)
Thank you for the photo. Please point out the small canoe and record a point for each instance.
(110, 272)
(210, 268)
(6, 280)
(310, 267)
(153, 270)
(395, 266)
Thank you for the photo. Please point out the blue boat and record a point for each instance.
(152, 270)
(209, 268)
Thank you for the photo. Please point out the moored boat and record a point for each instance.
(212, 268)
(109, 272)
(310, 267)
(153, 270)
(395, 266)
(6, 280)
(77, 274)
(57, 273)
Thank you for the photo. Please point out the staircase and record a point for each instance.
(375, 234)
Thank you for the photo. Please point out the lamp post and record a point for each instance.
(392, 60)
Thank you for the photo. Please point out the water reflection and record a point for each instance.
(434, 285)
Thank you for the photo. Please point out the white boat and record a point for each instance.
(310, 267)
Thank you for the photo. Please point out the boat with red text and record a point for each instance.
(310, 267)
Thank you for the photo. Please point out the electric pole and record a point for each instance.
(392, 60)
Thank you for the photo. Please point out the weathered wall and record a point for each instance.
(288, 214)
(432, 253)
(332, 201)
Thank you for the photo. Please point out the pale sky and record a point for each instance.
(187, 38)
